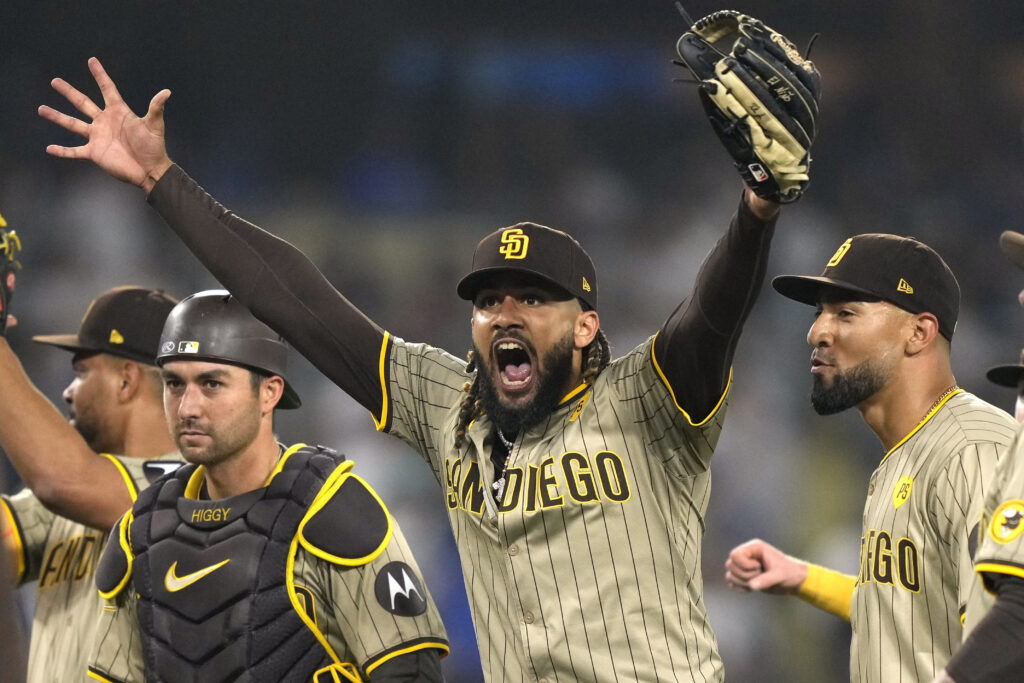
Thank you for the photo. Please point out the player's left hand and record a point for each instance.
(761, 96)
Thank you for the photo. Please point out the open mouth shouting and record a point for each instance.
(514, 364)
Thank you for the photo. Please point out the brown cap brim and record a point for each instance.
(478, 279)
(71, 342)
(1012, 244)
(806, 288)
(1006, 375)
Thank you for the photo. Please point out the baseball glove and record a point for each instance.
(10, 246)
(761, 96)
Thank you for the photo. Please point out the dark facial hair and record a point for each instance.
(848, 389)
(550, 390)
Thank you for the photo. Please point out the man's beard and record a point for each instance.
(848, 388)
(551, 384)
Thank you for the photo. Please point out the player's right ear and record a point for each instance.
(924, 332)
(585, 329)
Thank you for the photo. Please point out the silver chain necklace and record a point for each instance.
(499, 485)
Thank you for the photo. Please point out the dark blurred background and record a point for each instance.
(384, 139)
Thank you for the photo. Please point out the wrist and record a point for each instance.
(764, 209)
(154, 174)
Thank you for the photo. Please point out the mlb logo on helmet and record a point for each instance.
(188, 347)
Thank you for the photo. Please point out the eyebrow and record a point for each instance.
(203, 376)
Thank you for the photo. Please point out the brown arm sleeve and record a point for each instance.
(992, 651)
(280, 285)
(695, 347)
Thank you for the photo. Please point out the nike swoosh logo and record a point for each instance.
(175, 583)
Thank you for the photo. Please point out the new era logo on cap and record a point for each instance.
(900, 270)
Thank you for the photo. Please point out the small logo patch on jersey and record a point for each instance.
(1006, 521)
(901, 492)
(175, 583)
(579, 407)
(904, 287)
(400, 591)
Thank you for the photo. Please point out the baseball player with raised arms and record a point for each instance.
(255, 561)
(886, 310)
(54, 529)
(576, 485)
(992, 653)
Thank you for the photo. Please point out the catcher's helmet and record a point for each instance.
(213, 326)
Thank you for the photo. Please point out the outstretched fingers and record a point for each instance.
(76, 97)
(107, 87)
(66, 122)
(156, 105)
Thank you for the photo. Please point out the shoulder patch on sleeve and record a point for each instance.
(115, 566)
(347, 523)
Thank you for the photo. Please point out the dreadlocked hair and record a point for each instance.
(596, 357)
(470, 407)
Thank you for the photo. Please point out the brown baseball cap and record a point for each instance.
(123, 321)
(551, 255)
(1012, 244)
(1007, 375)
(900, 270)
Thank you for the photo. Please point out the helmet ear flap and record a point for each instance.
(214, 326)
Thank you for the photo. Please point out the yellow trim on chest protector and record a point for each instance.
(343, 475)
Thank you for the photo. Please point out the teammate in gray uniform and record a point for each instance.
(886, 310)
(255, 562)
(992, 652)
(576, 485)
(76, 488)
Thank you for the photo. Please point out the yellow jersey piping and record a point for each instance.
(664, 380)
(921, 423)
(19, 545)
(133, 491)
(383, 421)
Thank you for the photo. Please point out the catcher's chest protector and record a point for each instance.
(211, 578)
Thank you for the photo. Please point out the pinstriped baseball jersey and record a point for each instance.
(923, 503)
(588, 568)
(60, 556)
(360, 607)
(1000, 550)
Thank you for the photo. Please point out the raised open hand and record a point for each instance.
(127, 147)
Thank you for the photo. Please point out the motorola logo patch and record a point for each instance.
(400, 591)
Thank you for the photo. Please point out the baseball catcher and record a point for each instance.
(761, 96)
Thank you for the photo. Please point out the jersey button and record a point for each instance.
(513, 550)
(528, 617)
